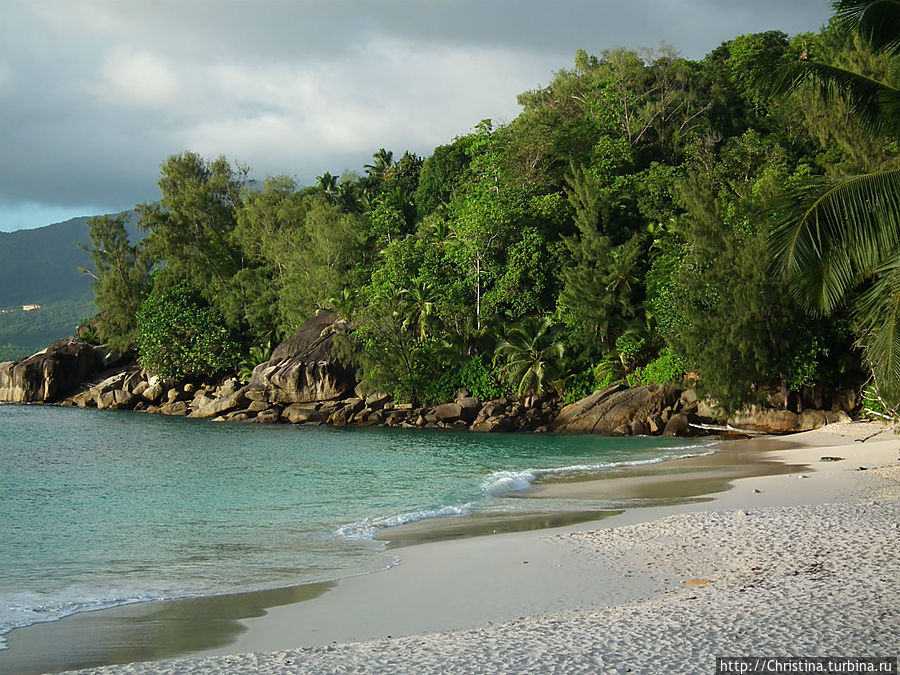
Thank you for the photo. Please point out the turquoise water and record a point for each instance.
(104, 508)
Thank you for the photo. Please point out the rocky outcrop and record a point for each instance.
(770, 421)
(48, 375)
(303, 369)
(619, 410)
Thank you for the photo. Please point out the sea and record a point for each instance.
(104, 508)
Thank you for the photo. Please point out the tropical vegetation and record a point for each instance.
(645, 218)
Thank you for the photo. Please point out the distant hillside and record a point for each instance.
(41, 267)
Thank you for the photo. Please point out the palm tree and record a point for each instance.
(837, 234)
(384, 159)
(531, 356)
(328, 184)
(418, 312)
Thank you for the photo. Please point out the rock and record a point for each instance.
(237, 416)
(154, 391)
(811, 419)
(259, 406)
(765, 419)
(270, 416)
(639, 427)
(828, 458)
(469, 408)
(608, 410)
(82, 399)
(223, 405)
(104, 400)
(124, 399)
(105, 358)
(678, 425)
(844, 400)
(303, 368)
(49, 375)
(140, 388)
(832, 417)
(174, 408)
(493, 424)
(448, 412)
(301, 413)
(201, 400)
(377, 401)
(228, 387)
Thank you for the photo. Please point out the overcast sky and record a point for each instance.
(95, 94)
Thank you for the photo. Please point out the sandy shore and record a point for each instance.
(799, 563)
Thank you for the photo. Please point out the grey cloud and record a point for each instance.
(94, 94)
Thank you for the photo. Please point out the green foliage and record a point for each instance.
(121, 280)
(630, 201)
(586, 382)
(666, 367)
(473, 375)
(258, 354)
(180, 336)
(88, 331)
(837, 239)
(531, 357)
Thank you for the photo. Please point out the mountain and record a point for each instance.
(41, 267)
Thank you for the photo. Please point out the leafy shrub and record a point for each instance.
(803, 369)
(472, 375)
(179, 335)
(585, 383)
(258, 354)
(666, 367)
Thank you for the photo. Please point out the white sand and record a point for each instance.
(801, 565)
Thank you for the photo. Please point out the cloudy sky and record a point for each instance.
(95, 94)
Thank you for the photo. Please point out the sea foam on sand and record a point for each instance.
(792, 565)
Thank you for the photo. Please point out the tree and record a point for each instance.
(122, 277)
(530, 356)
(383, 160)
(181, 336)
(191, 234)
(602, 287)
(836, 234)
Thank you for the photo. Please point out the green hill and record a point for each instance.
(41, 267)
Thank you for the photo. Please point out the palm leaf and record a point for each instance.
(879, 312)
(836, 232)
(870, 100)
(877, 22)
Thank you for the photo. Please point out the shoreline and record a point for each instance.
(437, 583)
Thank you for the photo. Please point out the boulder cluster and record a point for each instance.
(305, 383)
(231, 400)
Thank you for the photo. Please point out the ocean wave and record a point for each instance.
(502, 483)
(366, 529)
(26, 609)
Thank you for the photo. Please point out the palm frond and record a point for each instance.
(836, 232)
(879, 313)
(877, 22)
(866, 96)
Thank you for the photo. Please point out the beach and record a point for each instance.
(802, 560)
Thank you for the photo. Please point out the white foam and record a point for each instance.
(506, 482)
(19, 610)
(366, 529)
(497, 484)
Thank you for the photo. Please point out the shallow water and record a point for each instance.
(105, 508)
